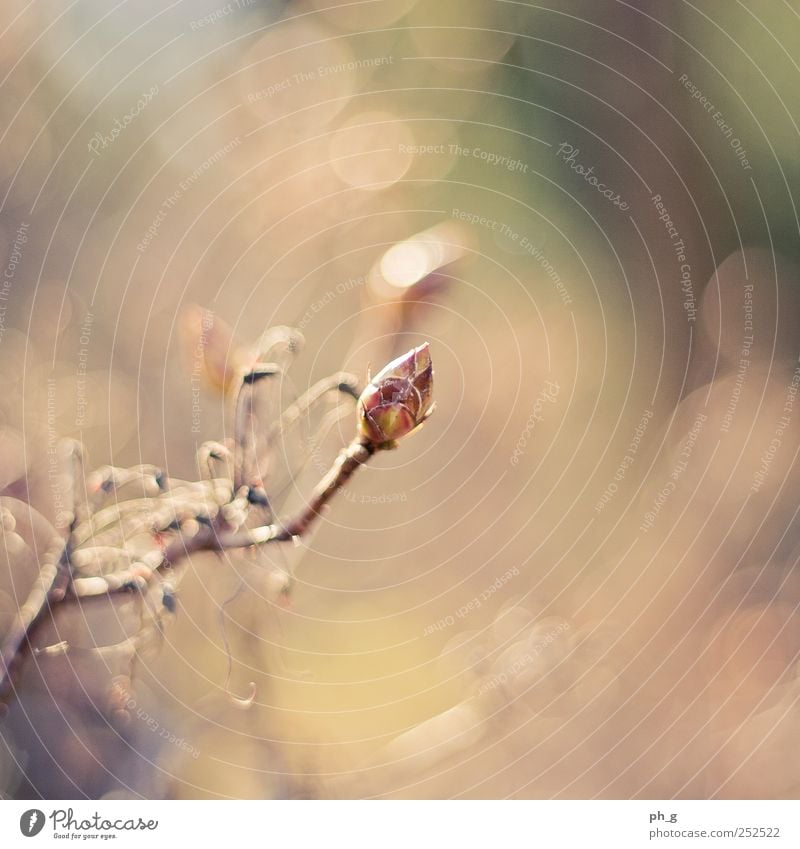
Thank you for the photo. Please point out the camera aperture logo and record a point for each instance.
(31, 822)
(66, 826)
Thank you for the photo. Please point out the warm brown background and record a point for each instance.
(649, 663)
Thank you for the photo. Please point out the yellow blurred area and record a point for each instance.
(579, 579)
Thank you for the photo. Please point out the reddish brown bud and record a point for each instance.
(398, 399)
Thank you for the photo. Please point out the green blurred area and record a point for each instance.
(283, 150)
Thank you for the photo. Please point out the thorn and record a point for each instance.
(244, 703)
(256, 495)
(56, 648)
(168, 598)
(348, 388)
(259, 371)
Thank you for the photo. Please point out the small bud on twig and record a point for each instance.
(398, 399)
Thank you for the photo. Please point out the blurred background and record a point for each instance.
(580, 578)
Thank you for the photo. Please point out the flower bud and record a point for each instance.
(398, 399)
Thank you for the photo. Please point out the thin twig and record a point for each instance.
(49, 588)
(245, 423)
(347, 384)
(219, 522)
(351, 458)
(53, 581)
